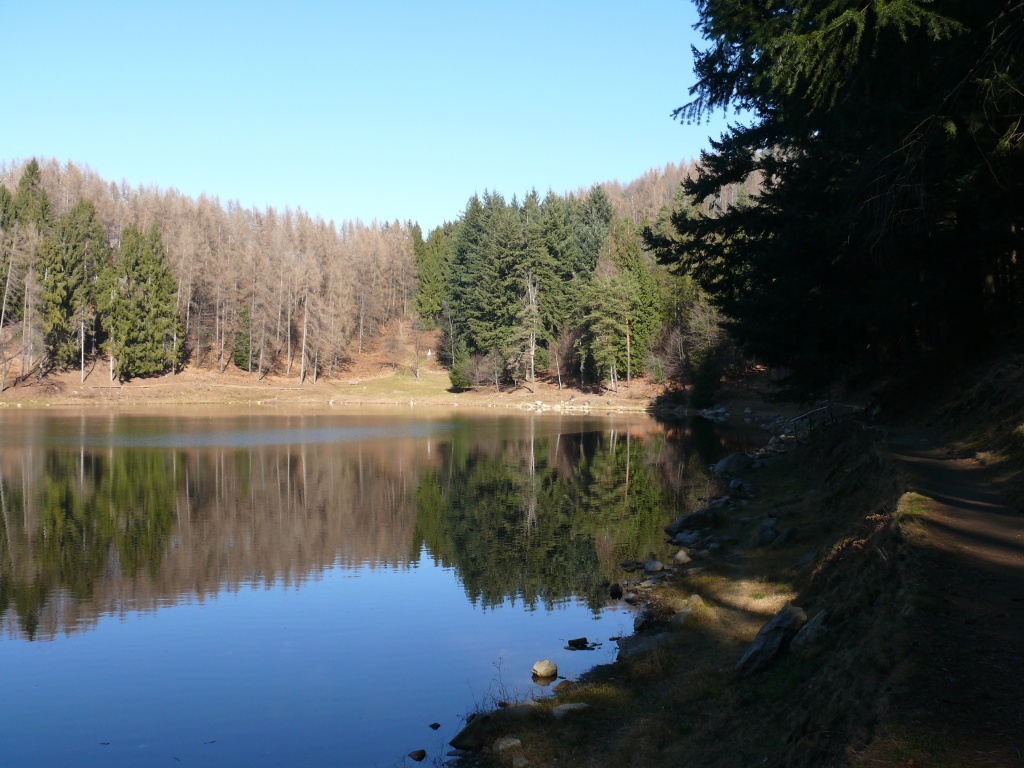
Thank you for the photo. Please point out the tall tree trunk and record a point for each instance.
(627, 354)
(305, 324)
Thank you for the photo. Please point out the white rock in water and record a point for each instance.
(545, 668)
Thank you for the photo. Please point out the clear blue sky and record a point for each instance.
(373, 111)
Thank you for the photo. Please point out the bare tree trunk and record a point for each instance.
(305, 322)
(7, 288)
(289, 333)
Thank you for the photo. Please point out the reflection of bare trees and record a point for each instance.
(259, 516)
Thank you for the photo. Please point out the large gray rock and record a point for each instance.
(733, 463)
(702, 518)
(481, 729)
(505, 742)
(636, 644)
(810, 633)
(773, 638)
(564, 709)
(687, 539)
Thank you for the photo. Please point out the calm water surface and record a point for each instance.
(251, 588)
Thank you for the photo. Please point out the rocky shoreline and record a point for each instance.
(663, 607)
(769, 631)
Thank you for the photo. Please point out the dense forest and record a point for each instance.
(151, 281)
(890, 139)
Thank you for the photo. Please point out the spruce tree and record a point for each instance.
(143, 326)
(69, 262)
(888, 135)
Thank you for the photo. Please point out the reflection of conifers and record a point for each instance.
(545, 520)
(83, 534)
(91, 517)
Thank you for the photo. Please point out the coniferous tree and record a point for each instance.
(591, 218)
(889, 222)
(434, 266)
(143, 327)
(69, 263)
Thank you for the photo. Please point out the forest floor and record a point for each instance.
(371, 378)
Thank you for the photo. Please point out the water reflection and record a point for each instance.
(107, 514)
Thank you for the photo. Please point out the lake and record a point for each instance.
(260, 587)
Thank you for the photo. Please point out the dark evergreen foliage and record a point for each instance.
(143, 326)
(890, 141)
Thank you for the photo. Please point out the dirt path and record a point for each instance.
(962, 702)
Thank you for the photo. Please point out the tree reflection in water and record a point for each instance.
(523, 510)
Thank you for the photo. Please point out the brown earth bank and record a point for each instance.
(371, 378)
(904, 548)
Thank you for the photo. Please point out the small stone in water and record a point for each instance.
(418, 755)
(545, 668)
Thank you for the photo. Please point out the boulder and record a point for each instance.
(418, 755)
(765, 537)
(643, 618)
(784, 539)
(687, 539)
(733, 463)
(564, 709)
(636, 644)
(681, 558)
(505, 742)
(810, 633)
(702, 518)
(654, 566)
(480, 728)
(545, 668)
(773, 638)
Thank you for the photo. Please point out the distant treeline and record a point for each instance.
(151, 280)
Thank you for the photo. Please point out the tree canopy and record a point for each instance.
(889, 141)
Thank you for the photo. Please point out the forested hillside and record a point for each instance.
(150, 281)
(154, 279)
